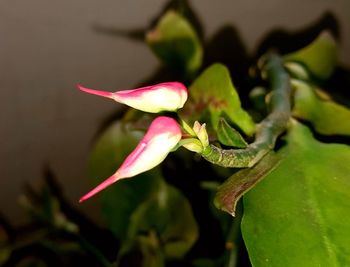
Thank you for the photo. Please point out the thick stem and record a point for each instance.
(268, 130)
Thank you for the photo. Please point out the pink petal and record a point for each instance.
(96, 92)
(139, 161)
(100, 187)
(169, 96)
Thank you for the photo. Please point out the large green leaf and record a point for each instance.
(121, 199)
(143, 251)
(213, 92)
(320, 57)
(299, 214)
(326, 116)
(176, 43)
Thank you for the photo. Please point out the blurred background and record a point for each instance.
(46, 47)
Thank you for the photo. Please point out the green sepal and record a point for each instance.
(229, 136)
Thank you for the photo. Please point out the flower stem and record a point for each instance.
(268, 130)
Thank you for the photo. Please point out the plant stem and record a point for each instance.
(234, 239)
(268, 130)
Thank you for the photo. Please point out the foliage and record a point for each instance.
(289, 202)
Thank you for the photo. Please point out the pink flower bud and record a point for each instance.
(161, 137)
(169, 96)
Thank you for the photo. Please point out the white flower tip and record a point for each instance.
(196, 127)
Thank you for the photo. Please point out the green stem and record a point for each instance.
(234, 239)
(268, 130)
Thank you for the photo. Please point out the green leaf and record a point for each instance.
(320, 57)
(299, 214)
(326, 116)
(142, 251)
(229, 136)
(5, 253)
(176, 43)
(213, 92)
(169, 215)
(121, 199)
(239, 183)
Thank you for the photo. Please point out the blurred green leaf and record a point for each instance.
(183, 8)
(176, 43)
(299, 214)
(229, 136)
(169, 215)
(320, 57)
(213, 92)
(44, 207)
(31, 262)
(142, 251)
(121, 199)
(5, 253)
(203, 262)
(326, 116)
(239, 183)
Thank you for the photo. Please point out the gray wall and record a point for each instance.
(46, 47)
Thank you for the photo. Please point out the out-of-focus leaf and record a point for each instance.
(326, 116)
(257, 97)
(143, 251)
(45, 208)
(299, 214)
(184, 8)
(229, 136)
(169, 214)
(176, 43)
(5, 253)
(242, 181)
(320, 57)
(213, 92)
(121, 199)
(203, 262)
(31, 262)
(297, 70)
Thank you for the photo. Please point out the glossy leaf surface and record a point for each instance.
(242, 181)
(229, 136)
(298, 215)
(326, 116)
(214, 94)
(320, 57)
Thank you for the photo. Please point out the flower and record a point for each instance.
(201, 132)
(162, 136)
(169, 96)
(199, 140)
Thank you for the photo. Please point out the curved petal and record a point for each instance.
(162, 136)
(169, 96)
